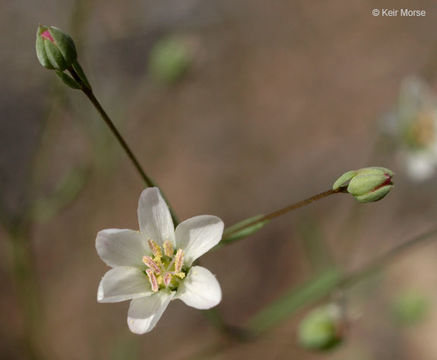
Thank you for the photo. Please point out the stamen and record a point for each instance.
(151, 264)
(152, 280)
(179, 259)
(168, 248)
(180, 275)
(167, 279)
(156, 249)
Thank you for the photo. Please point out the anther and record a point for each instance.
(147, 260)
(167, 279)
(168, 248)
(156, 250)
(152, 280)
(179, 259)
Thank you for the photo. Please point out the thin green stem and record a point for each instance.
(23, 271)
(281, 212)
(379, 262)
(90, 95)
(323, 285)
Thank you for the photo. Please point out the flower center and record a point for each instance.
(165, 267)
(421, 133)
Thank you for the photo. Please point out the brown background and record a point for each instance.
(282, 97)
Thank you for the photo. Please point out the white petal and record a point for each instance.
(420, 166)
(144, 313)
(121, 247)
(154, 216)
(197, 235)
(200, 289)
(123, 283)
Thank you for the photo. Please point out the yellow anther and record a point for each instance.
(178, 261)
(156, 249)
(168, 248)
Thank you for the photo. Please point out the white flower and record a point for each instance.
(413, 125)
(153, 266)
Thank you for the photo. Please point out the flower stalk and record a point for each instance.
(87, 90)
(227, 235)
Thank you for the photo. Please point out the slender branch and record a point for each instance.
(385, 259)
(323, 285)
(282, 211)
(90, 95)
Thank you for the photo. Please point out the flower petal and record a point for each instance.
(121, 247)
(420, 166)
(197, 235)
(154, 216)
(144, 313)
(200, 289)
(123, 283)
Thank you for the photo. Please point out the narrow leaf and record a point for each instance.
(294, 300)
(233, 233)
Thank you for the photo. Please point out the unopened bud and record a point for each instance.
(55, 49)
(366, 184)
(321, 329)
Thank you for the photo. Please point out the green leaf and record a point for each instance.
(232, 233)
(294, 300)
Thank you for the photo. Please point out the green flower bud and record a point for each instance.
(410, 308)
(169, 59)
(55, 49)
(366, 184)
(321, 329)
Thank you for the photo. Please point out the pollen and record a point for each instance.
(155, 248)
(147, 260)
(168, 248)
(152, 280)
(179, 258)
(164, 271)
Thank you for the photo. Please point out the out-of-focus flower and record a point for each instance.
(321, 329)
(153, 266)
(413, 126)
(367, 184)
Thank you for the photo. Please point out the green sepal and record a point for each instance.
(375, 195)
(64, 43)
(81, 74)
(240, 234)
(54, 55)
(68, 80)
(343, 180)
(40, 49)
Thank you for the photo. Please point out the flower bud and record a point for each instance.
(55, 49)
(321, 329)
(366, 184)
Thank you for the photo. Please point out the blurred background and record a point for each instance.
(235, 108)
